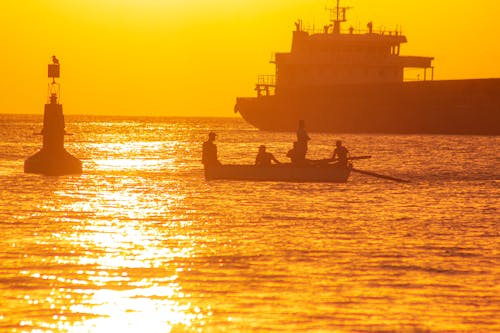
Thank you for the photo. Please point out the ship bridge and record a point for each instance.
(329, 59)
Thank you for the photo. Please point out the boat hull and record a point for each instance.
(281, 173)
(430, 107)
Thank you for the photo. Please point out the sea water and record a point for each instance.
(140, 242)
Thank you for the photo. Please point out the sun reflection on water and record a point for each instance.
(130, 156)
(128, 257)
(151, 309)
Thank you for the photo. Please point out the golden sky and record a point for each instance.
(193, 57)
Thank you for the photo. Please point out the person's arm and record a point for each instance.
(335, 153)
(216, 156)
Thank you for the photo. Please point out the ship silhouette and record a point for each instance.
(353, 82)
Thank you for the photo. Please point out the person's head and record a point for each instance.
(212, 136)
(338, 143)
(262, 149)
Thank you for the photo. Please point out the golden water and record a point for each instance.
(142, 243)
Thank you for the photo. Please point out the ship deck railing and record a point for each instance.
(266, 80)
(266, 85)
(397, 31)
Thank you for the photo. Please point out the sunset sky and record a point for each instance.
(194, 57)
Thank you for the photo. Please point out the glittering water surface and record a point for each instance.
(142, 243)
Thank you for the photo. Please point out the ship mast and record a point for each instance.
(338, 16)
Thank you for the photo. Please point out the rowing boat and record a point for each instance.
(280, 172)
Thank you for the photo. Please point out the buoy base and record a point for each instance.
(53, 163)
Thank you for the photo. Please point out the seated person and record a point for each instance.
(264, 158)
(340, 155)
(296, 155)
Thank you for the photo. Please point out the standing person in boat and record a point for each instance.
(340, 154)
(302, 140)
(209, 153)
(264, 158)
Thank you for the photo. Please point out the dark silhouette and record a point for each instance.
(264, 158)
(340, 155)
(302, 141)
(292, 153)
(366, 90)
(53, 159)
(377, 175)
(55, 61)
(296, 155)
(370, 27)
(209, 153)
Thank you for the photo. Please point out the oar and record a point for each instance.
(329, 160)
(359, 157)
(369, 173)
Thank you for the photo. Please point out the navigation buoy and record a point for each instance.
(53, 159)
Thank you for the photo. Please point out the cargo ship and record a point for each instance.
(353, 81)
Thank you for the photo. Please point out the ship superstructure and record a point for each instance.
(332, 58)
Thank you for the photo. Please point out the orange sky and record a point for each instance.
(193, 57)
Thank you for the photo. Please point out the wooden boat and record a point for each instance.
(280, 172)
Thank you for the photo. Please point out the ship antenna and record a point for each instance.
(338, 16)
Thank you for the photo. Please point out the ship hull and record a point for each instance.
(430, 107)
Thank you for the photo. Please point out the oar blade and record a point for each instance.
(377, 175)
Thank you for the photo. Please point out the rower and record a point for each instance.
(296, 155)
(264, 158)
(340, 155)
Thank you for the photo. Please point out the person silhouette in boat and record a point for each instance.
(209, 153)
(296, 155)
(264, 158)
(340, 154)
(302, 141)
